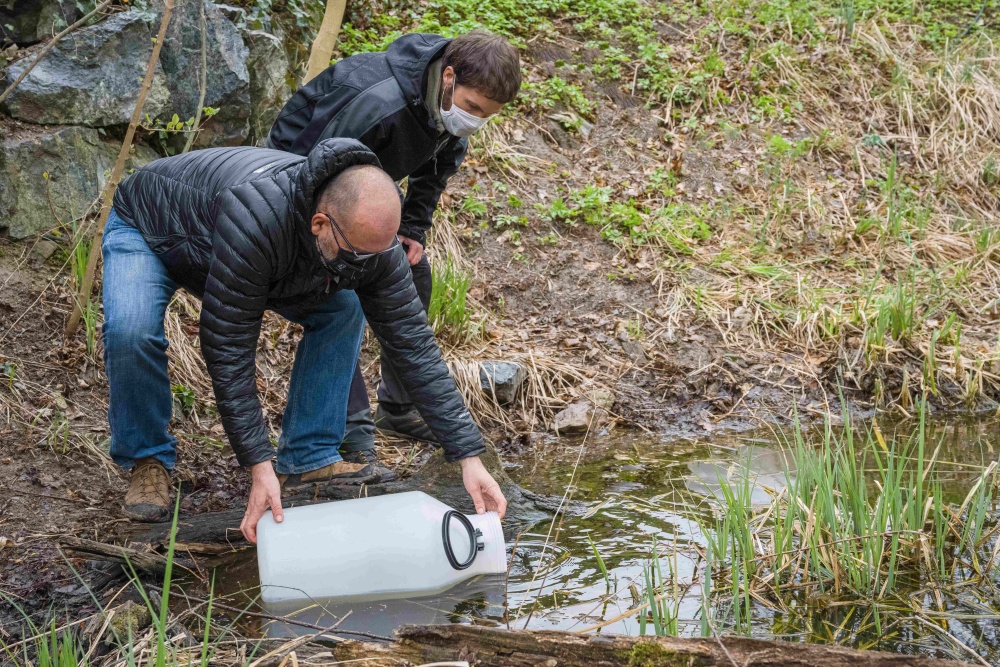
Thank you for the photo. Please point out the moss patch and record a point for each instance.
(653, 654)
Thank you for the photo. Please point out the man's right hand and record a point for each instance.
(264, 492)
(414, 249)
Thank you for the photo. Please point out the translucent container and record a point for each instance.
(375, 548)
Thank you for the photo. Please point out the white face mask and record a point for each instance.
(458, 121)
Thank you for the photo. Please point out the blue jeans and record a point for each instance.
(137, 290)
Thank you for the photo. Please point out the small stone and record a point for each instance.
(44, 249)
(502, 379)
(579, 417)
(129, 620)
(602, 397)
(634, 351)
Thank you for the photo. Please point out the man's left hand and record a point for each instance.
(485, 492)
(414, 249)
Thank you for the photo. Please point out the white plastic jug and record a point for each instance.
(381, 547)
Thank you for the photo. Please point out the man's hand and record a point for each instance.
(485, 492)
(414, 250)
(264, 492)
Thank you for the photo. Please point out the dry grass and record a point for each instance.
(877, 175)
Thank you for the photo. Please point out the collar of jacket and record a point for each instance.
(432, 99)
(410, 59)
(327, 159)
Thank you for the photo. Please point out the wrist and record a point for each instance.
(261, 470)
(469, 461)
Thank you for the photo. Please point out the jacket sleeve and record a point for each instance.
(424, 189)
(232, 310)
(393, 310)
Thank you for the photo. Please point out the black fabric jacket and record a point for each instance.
(378, 98)
(232, 226)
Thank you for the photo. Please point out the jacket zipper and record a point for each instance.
(437, 150)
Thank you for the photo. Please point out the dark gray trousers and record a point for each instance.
(360, 426)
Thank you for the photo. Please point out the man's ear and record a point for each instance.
(447, 77)
(318, 222)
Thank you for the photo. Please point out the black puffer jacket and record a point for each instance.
(378, 98)
(232, 226)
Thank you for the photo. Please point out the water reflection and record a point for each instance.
(477, 600)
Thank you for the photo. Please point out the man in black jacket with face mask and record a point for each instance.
(249, 230)
(414, 106)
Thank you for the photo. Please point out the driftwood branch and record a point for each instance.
(100, 8)
(98, 234)
(142, 561)
(488, 647)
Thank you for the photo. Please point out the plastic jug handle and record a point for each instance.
(474, 534)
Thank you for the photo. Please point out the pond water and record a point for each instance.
(638, 500)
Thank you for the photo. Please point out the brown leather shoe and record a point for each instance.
(148, 496)
(340, 472)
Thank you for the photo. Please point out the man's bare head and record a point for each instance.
(364, 202)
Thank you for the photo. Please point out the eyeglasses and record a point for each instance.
(358, 256)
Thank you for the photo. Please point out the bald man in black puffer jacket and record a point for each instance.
(247, 230)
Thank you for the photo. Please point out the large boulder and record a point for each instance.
(228, 81)
(269, 89)
(25, 22)
(93, 76)
(52, 177)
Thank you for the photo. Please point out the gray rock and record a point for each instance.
(58, 173)
(44, 249)
(268, 67)
(579, 417)
(228, 81)
(25, 22)
(237, 15)
(90, 78)
(502, 379)
(93, 76)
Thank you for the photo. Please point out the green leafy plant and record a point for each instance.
(448, 312)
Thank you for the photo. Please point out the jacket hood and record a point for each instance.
(327, 159)
(409, 57)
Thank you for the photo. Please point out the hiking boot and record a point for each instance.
(369, 457)
(406, 423)
(341, 472)
(148, 495)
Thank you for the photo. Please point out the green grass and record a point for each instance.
(600, 563)
(663, 595)
(449, 312)
(78, 257)
(861, 519)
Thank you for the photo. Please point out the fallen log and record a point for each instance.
(486, 647)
